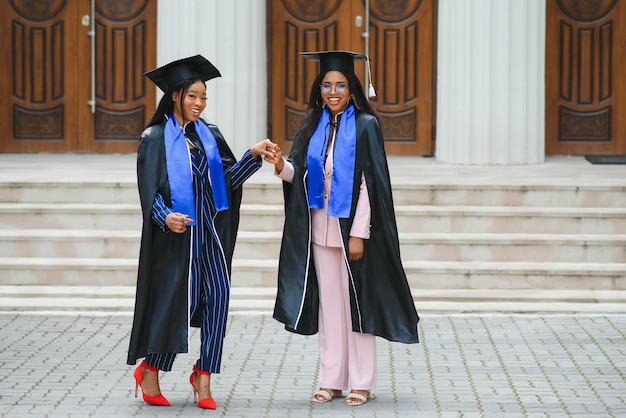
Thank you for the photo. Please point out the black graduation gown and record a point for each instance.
(160, 321)
(382, 303)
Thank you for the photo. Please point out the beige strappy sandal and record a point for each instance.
(328, 396)
(360, 399)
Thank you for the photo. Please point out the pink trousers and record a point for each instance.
(345, 356)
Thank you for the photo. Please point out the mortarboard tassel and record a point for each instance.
(371, 92)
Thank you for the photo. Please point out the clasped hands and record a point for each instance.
(270, 151)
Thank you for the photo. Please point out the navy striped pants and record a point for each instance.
(209, 292)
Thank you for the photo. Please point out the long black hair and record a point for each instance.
(166, 104)
(315, 107)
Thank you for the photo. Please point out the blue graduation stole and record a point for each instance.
(179, 168)
(344, 155)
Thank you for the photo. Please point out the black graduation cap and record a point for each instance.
(335, 60)
(174, 74)
(340, 61)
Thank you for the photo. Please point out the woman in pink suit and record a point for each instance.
(340, 272)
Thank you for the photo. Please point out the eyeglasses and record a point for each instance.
(340, 88)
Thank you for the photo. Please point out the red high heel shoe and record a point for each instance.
(202, 403)
(159, 399)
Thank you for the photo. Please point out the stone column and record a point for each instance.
(230, 34)
(490, 82)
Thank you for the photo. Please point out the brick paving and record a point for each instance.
(468, 365)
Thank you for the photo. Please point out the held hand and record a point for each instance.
(177, 222)
(355, 248)
(278, 162)
(277, 159)
(266, 148)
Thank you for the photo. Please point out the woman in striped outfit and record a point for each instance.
(190, 191)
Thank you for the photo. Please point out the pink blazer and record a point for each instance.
(324, 228)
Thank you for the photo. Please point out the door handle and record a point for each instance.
(92, 34)
(366, 36)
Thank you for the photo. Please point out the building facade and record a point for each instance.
(485, 82)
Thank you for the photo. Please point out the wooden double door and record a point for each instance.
(72, 74)
(401, 43)
(585, 83)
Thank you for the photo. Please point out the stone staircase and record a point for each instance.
(470, 241)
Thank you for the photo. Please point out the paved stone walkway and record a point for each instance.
(489, 365)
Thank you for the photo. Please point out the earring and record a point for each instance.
(318, 104)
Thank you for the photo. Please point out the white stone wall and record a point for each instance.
(230, 34)
(490, 82)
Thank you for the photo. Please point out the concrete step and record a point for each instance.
(417, 191)
(515, 275)
(261, 217)
(595, 248)
(538, 248)
(69, 243)
(503, 219)
(262, 273)
(412, 190)
(111, 271)
(451, 247)
(121, 299)
(111, 216)
(96, 243)
(416, 219)
(472, 219)
(522, 195)
(122, 216)
(76, 191)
